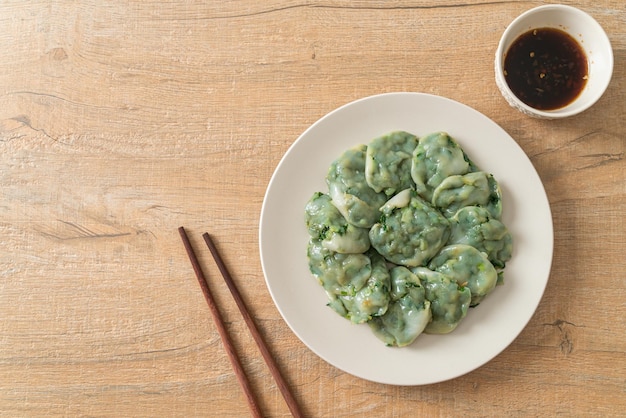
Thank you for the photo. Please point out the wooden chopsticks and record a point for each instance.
(219, 323)
(232, 355)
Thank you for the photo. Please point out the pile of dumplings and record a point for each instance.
(408, 236)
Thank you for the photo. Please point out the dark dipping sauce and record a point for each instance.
(546, 68)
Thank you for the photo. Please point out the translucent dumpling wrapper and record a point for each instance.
(436, 157)
(338, 273)
(408, 313)
(347, 187)
(371, 300)
(449, 302)
(472, 189)
(475, 226)
(410, 231)
(468, 267)
(326, 224)
(388, 162)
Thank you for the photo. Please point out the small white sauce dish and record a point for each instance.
(590, 36)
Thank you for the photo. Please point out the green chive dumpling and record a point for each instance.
(475, 226)
(410, 231)
(388, 162)
(371, 300)
(408, 313)
(326, 224)
(436, 157)
(338, 273)
(472, 189)
(468, 267)
(349, 191)
(449, 302)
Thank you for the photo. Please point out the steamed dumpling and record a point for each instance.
(372, 299)
(408, 313)
(449, 302)
(338, 273)
(410, 232)
(472, 189)
(326, 224)
(468, 267)
(475, 226)
(388, 162)
(358, 203)
(436, 157)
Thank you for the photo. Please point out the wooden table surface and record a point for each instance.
(121, 121)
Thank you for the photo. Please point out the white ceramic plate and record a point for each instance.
(489, 328)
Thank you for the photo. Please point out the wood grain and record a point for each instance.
(120, 122)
